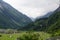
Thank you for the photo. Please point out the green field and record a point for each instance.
(42, 36)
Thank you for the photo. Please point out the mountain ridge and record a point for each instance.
(49, 24)
(11, 18)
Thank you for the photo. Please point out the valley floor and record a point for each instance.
(43, 35)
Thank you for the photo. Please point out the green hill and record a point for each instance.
(49, 24)
(54, 21)
(11, 18)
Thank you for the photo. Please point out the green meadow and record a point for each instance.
(42, 36)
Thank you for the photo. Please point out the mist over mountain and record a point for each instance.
(11, 18)
(48, 24)
(46, 15)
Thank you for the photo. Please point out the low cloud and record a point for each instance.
(34, 8)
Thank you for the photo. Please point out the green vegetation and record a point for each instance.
(25, 36)
(54, 23)
(12, 18)
(49, 25)
(41, 29)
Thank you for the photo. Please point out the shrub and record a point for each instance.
(29, 36)
(0, 35)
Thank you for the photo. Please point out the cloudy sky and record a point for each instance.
(34, 8)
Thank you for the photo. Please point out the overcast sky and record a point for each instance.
(34, 8)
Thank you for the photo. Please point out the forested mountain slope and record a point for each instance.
(48, 24)
(11, 18)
